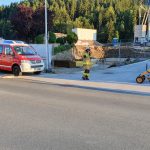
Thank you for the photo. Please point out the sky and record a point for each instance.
(7, 2)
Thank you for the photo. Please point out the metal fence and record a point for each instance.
(125, 53)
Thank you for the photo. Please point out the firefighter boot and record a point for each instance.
(86, 74)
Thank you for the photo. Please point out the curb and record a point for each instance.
(112, 87)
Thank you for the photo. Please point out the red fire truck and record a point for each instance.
(19, 58)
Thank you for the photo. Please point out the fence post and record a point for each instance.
(120, 53)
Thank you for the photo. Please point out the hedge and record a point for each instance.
(62, 48)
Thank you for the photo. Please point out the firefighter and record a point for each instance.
(86, 63)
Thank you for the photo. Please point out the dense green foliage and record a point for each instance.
(52, 37)
(71, 38)
(62, 48)
(61, 40)
(39, 39)
(111, 18)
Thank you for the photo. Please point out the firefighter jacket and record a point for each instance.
(87, 61)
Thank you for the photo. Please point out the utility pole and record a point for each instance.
(46, 41)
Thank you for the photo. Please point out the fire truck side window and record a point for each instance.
(8, 50)
(1, 49)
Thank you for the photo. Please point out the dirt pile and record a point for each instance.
(96, 49)
(76, 53)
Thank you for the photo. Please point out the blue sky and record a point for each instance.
(7, 2)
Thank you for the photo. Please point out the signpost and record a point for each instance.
(116, 43)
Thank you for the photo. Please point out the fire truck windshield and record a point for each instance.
(24, 50)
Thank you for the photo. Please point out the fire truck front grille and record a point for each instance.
(39, 66)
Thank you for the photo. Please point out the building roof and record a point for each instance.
(60, 35)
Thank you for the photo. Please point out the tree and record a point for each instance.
(29, 23)
(25, 20)
(83, 22)
(52, 37)
(71, 6)
(110, 30)
(116, 34)
(6, 30)
(38, 18)
(72, 38)
(22, 22)
(61, 40)
(39, 39)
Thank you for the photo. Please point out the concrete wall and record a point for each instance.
(40, 49)
(85, 34)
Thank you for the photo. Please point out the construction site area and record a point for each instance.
(122, 54)
(112, 54)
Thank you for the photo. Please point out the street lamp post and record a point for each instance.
(46, 40)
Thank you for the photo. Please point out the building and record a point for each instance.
(140, 34)
(142, 29)
(85, 34)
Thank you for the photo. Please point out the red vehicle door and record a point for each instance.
(1, 51)
(7, 58)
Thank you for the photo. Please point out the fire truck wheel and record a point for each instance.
(16, 71)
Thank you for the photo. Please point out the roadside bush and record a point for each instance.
(52, 37)
(72, 38)
(39, 39)
(62, 48)
(61, 40)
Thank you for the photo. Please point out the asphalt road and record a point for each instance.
(37, 116)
